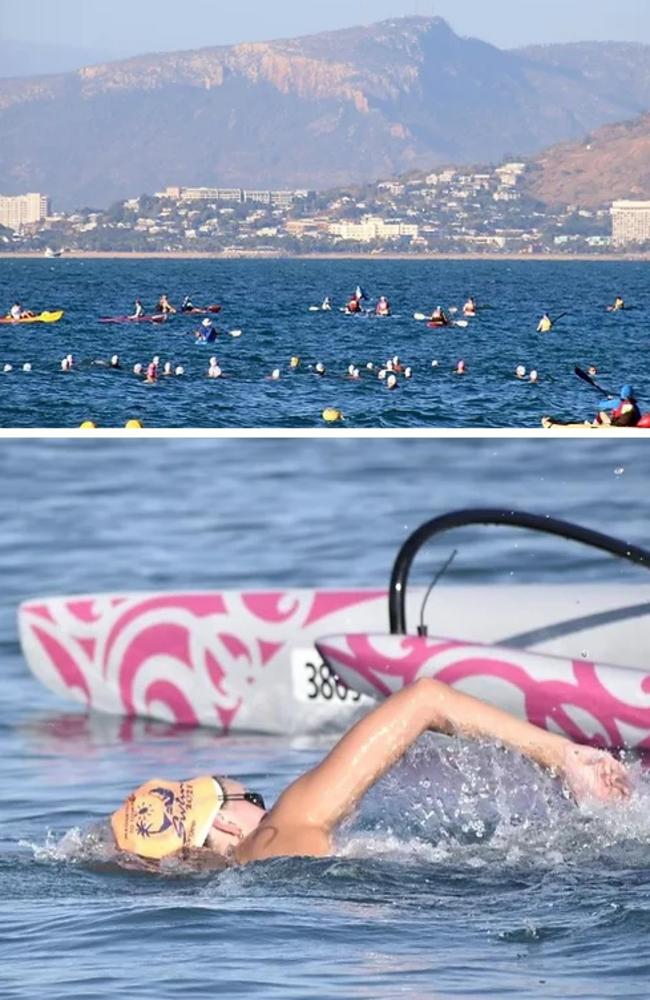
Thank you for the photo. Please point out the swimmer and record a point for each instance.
(408, 372)
(168, 368)
(520, 371)
(66, 364)
(391, 381)
(319, 368)
(152, 371)
(397, 364)
(27, 367)
(179, 370)
(225, 822)
(327, 304)
(533, 377)
(214, 371)
(434, 364)
(115, 361)
(274, 376)
(294, 364)
(592, 370)
(370, 366)
(460, 368)
(9, 368)
(138, 369)
(381, 374)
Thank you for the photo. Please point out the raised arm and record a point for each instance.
(322, 797)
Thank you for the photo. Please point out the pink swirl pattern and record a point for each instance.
(219, 659)
(605, 706)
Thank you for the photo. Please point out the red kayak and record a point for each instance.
(437, 324)
(132, 319)
(195, 311)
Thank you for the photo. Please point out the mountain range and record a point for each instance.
(315, 112)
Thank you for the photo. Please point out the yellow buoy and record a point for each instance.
(133, 425)
(331, 415)
(88, 425)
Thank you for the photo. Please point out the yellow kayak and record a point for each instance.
(44, 317)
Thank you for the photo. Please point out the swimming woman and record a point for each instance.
(219, 815)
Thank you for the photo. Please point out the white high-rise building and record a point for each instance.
(630, 222)
(23, 210)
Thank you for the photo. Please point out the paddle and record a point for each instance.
(590, 381)
(558, 318)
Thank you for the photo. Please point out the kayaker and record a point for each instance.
(207, 333)
(217, 820)
(439, 317)
(187, 306)
(327, 304)
(383, 306)
(469, 309)
(354, 305)
(164, 307)
(359, 294)
(17, 312)
(138, 310)
(622, 412)
(545, 324)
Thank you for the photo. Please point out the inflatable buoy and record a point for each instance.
(88, 425)
(331, 415)
(133, 425)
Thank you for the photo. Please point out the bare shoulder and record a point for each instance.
(270, 840)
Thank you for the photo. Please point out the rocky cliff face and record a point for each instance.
(312, 112)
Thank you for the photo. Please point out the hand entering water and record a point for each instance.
(595, 774)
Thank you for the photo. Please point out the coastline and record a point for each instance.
(261, 255)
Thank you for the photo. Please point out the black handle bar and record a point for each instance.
(517, 519)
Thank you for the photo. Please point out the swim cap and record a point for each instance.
(115, 360)
(627, 392)
(520, 371)
(295, 361)
(179, 370)
(207, 322)
(391, 381)
(27, 367)
(331, 415)
(87, 425)
(133, 425)
(319, 367)
(8, 368)
(160, 817)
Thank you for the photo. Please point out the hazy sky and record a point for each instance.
(126, 27)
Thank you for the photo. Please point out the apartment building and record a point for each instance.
(630, 222)
(23, 210)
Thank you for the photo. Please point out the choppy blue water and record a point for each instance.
(466, 873)
(269, 300)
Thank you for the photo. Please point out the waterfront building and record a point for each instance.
(630, 222)
(23, 210)
(372, 228)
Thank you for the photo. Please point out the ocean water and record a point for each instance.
(269, 302)
(465, 874)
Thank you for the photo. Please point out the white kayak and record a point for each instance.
(246, 661)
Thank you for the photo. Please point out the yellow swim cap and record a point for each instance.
(160, 817)
(88, 425)
(295, 361)
(133, 425)
(331, 415)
